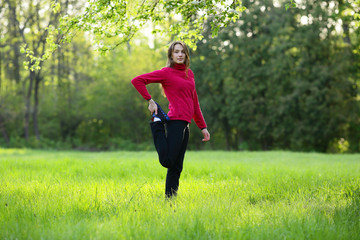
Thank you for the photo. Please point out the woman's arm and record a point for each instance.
(198, 116)
(141, 81)
(199, 119)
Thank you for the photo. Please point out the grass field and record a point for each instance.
(222, 195)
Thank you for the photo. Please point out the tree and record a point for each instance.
(275, 82)
(21, 22)
(113, 23)
(28, 27)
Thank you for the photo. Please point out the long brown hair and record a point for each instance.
(170, 61)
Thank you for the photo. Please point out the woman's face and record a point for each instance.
(178, 55)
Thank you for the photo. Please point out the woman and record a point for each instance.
(178, 84)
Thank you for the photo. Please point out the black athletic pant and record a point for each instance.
(170, 142)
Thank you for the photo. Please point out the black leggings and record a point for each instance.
(171, 146)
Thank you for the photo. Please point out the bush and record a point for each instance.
(340, 145)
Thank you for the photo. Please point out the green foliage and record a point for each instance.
(119, 21)
(339, 146)
(274, 79)
(292, 4)
(222, 195)
(111, 106)
(275, 83)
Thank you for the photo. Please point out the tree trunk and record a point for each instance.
(240, 140)
(68, 82)
(3, 131)
(346, 32)
(36, 104)
(14, 26)
(264, 145)
(28, 105)
(59, 68)
(227, 132)
(38, 79)
(342, 7)
(0, 66)
(128, 47)
(2, 127)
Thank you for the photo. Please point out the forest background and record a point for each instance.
(274, 79)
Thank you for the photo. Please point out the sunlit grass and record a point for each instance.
(222, 195)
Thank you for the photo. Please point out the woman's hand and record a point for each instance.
(206, 134)
(152, 107)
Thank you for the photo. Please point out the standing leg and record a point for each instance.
(178, 131)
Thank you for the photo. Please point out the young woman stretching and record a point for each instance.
(178, 83)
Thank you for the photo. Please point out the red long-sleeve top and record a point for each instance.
(179, 90)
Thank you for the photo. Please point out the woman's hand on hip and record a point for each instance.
(152, 107)
(206, 135)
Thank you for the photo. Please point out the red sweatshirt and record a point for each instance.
(179, 90)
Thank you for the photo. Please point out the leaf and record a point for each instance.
(292, 4)
(287, 5)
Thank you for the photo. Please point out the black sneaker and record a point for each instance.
(161, 114)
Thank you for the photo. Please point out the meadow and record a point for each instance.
(222, 195)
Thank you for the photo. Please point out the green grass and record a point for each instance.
(222, 195)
